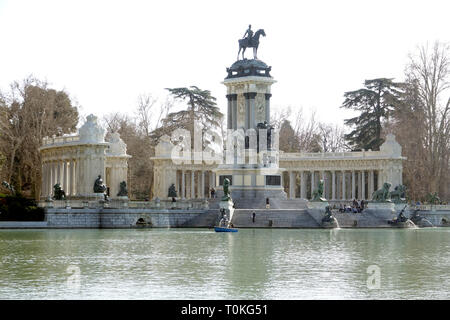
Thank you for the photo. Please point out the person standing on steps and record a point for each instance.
(253, 216)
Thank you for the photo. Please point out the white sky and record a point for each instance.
(106, 53)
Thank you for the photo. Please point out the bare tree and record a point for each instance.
(422, 121)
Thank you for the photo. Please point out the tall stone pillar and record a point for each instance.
(371, 184)
(230, 111)
(333, 185)
(343, 185)
(303, 185)
(183, 184)
(353, 185)
(291, 185)
(71, 177)
(48, 179)
(202, 193)
(268, 95)
(43, 179)
(234, 111)
(322, 176)
(64, 179)
(363, 185)
(54, 175)
(312, 183)
(250, 103)
(192, 184)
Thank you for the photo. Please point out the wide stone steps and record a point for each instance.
(273, 218)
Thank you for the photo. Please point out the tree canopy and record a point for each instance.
(28, 112)
(202, 108)
(374, 102)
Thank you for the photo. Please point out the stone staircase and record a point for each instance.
(273, 218)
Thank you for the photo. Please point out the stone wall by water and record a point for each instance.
(207, 218)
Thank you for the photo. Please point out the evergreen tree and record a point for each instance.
(202, 108)
(288, 141)
(374, 102)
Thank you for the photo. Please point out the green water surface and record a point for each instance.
(202, 264)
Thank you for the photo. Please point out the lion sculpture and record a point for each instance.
(382, 195)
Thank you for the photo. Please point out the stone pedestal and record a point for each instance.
(399, 206)
(382, 210)
(321, 205)
(228, 207)
(381, 205)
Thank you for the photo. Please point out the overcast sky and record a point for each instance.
(106, 53)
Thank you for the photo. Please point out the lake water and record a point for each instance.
(202, 264)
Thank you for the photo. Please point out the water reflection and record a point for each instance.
(202, 264)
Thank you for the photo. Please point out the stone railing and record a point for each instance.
(121, 204)
(48, 141)
(437, 207)
(330, 155)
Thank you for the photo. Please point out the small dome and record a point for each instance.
(248, 67)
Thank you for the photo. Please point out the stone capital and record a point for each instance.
(250, 95)
(231, 97)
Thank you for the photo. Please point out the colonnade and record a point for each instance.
(191, 184)
(338, 184)
(62, 171)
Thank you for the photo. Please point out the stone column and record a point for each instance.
(177, 183)
(192, 184)
(54, 175)
(353, 185)
(71, 177)
(371, 185)
(322, 174)
(234, 111)
(333, 185)
(230, 111)
(42, 179)
(291, 185)
(363, 185)
(250, 102)
(202, 193)
(64, 184)
(343, 185)
(183, 184)
(58, 172)
(268, 95)
(312, 183)
(48, 178)
(303, 185)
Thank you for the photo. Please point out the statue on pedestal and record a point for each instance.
(382, 195)
(99, 187)
(172, 192)
(251, 41)
(318, 193)
(226, 190)
(398, 195)
(58, 192)
(123, 191)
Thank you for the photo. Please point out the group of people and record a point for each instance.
(357, 206)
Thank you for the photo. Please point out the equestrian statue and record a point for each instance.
(250, 40)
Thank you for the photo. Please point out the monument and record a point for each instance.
(252, 154)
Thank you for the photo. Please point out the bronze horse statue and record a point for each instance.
(254, 43)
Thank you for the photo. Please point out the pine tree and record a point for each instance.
(374, 102)
(202, 108)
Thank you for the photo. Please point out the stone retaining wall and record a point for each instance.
(242, 218)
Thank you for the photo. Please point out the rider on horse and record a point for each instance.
(249, 34)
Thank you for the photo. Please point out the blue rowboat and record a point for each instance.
(220, 229)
